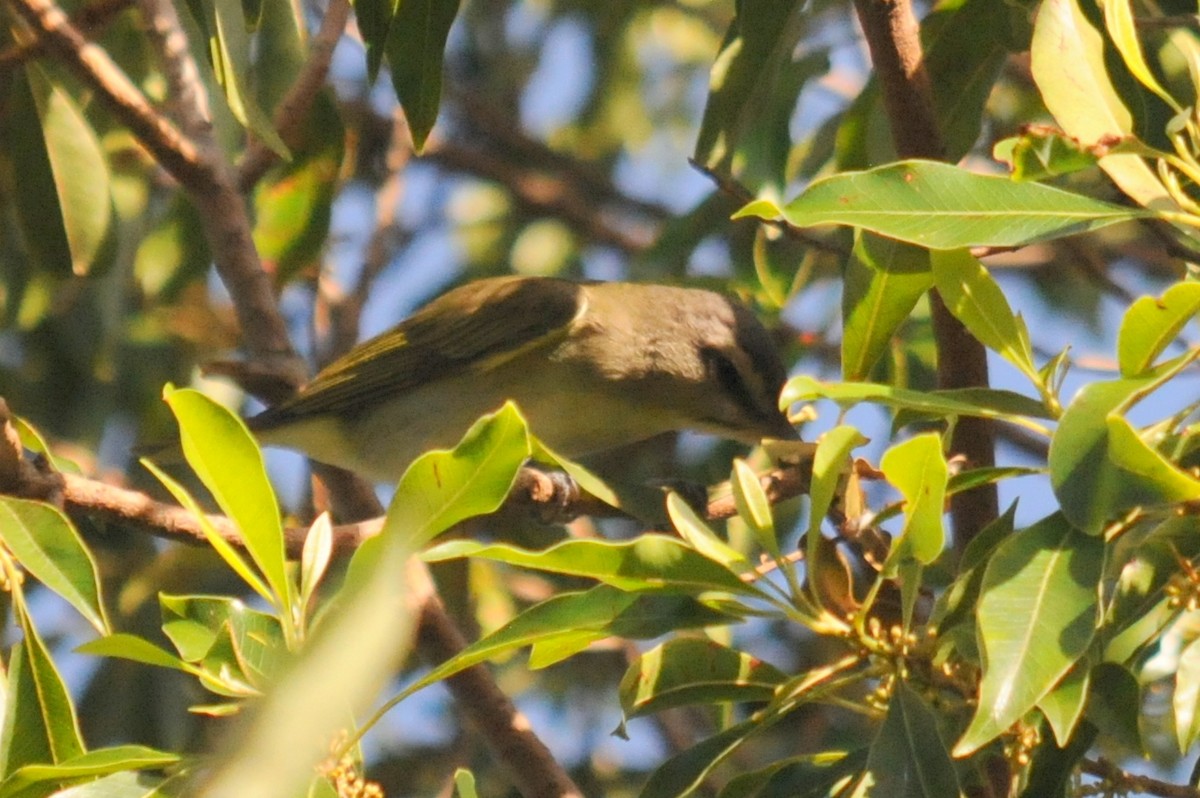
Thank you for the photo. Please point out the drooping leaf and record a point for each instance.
(976, 300)
(47, 545)
(744, 86)
(62, 195)
(416, 41)
(884, 280)
(224, 455)
(1036, 616)
(908, 758)
(700, 537)
(229, 53)
(1083, 99)
(939, 206)
(1063, 706)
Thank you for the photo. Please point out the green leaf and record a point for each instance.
(1084, 100)
(1063, 706)
(223, 634)
(229, 52)
(918, 469)
(884, 280)
(416, 40)
(1036, 616)
(1053, 769)
(1115, 705)
(294, 202)
(464, 784)
(753, 507)
(815, 776)
(971, 43)
(974, 402)
(221, 546)
(957, 604)
(745, 82)
(174, 254)
(690, 670)
(440, 489)
(700, 537)
(976, 300)
(131, 647)
(63, 200)
(127, 785)
(1039, 152)
(1100, 467)
(940, 206)
(224, 455)
(1118, 18)
(1186, 698)
(829, 461)
(908, 758)
(40, 725)
(94, 763)
(1150, 325)
(648, 562)
(683, 773)
(47, 545)
(374, 18)
(600, 612)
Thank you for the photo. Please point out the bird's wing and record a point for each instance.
(484, 321)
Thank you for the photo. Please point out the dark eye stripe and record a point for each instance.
(730, 380)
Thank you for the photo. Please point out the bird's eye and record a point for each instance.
(729, 378)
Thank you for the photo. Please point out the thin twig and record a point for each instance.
(1124, 782)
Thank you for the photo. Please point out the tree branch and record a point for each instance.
(892, 36)
(89, 18)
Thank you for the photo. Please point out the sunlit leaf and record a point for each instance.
(1036, 616)
(225, 456)
(1063, 706)
(1083, 98)
(648, 562)
(918, 469)
(976, 300)
(1151, 324)
(100, 762)
(1100, 467)
(47, 545)
(940, 206)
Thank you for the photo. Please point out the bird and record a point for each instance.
(592, 366)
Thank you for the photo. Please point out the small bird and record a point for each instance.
(592, 365)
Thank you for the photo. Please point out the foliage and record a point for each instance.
(850, 645)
